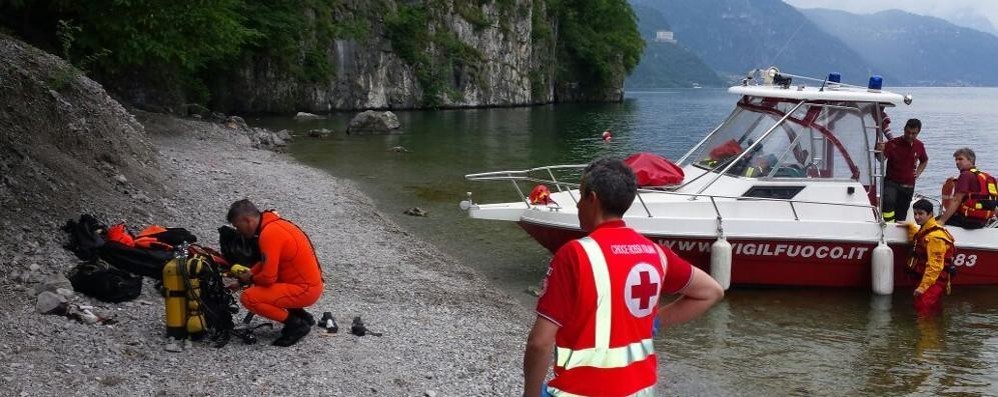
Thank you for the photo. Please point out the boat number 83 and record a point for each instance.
(965, 260)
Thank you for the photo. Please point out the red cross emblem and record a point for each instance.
(644, 291)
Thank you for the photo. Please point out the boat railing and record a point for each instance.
(525, 175)
(529, 175)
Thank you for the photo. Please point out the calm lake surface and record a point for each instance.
(770, 342)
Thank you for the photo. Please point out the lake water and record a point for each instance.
(757, 341)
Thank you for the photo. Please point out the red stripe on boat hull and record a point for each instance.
(795, 263)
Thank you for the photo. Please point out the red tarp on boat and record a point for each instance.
(654, 170)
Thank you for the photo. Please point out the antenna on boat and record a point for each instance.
(833, 78)
(785, 45)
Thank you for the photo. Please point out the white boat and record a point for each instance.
(807, 215)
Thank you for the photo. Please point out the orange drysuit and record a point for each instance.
(288, 275)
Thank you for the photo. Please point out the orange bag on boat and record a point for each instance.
(540, 195)
(725, 150)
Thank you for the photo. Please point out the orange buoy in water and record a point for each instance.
(607, 136)
(947, 193)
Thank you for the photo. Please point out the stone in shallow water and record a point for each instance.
(373, 122)
(416, 211)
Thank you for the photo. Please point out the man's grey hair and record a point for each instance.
(614, 184)
(966, 152)
(242, 207)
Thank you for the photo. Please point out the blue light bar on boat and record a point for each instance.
(834, 78)
(876, 82)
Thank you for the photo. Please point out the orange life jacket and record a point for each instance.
(119, 234)
(981, 204)
(146, 238)
(540, 195)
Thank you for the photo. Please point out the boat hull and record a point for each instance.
(776, 262)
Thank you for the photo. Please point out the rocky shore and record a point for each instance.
(68, 148)
(446, 331)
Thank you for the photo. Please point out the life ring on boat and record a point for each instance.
(947, 193)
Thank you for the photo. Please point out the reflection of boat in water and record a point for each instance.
(789, 179)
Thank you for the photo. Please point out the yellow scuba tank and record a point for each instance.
(195, 318)
(182, 292)
(176, 300)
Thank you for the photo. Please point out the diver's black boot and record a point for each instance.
(304, 315)
(294, 329)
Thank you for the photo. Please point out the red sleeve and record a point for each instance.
(558, 289)
(889, 149)
(922, 156)
(272, 241)
(678, 273)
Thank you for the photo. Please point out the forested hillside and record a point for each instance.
(664, 64)
(321, 55)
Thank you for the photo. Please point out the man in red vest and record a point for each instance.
(972, 205)
(600, 298)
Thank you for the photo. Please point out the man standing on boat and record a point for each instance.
(906, 159)
(601, 296)
(931, 258)
(973, 202)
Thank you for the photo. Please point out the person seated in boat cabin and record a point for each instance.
(760, 166)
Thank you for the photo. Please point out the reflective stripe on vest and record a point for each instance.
(617, 357)
(601, 355)
(601, 276)
(646, 392)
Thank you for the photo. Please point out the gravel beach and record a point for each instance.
(446, 331)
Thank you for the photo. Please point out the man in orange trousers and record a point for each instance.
(287, 279)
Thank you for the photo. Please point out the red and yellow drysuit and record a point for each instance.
(931, 255)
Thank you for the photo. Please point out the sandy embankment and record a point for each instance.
(446, 331)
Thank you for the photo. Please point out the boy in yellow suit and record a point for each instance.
(931, 258)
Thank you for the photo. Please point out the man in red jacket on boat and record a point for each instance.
(601, 296)
(906, 159)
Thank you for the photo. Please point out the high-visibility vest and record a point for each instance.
(979, 205)
(628, 366)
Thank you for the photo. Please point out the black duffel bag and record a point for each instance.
(139, 261)
(104, 282)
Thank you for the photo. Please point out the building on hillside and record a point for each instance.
(665, 36)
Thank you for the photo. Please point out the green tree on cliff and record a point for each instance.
(600, 38)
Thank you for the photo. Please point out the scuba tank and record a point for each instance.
(182, 292)
(195, 318)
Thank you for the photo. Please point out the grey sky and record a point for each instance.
(953, 10)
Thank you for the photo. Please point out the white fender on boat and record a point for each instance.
(720, 262)
(883, 270)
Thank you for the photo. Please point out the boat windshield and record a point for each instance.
(820, 139)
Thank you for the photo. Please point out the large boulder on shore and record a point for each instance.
(372, 122)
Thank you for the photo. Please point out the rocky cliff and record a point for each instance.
(404, 54)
